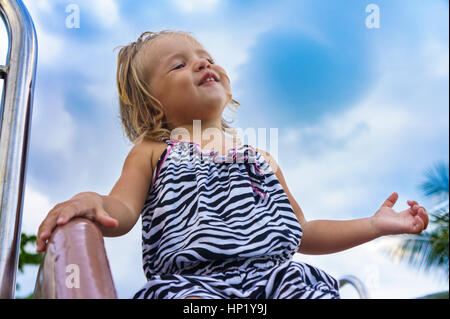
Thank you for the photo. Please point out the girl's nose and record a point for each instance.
(201, 64)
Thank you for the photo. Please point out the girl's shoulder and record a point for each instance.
(151, 149)
(269, 159)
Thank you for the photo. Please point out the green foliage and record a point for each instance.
(436, 183)
(429, 250)
(438, 295)
(27, 258)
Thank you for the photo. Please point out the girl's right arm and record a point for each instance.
(115, 214)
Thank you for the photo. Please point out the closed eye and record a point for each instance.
(178, 66)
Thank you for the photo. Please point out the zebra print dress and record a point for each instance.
(222, 227)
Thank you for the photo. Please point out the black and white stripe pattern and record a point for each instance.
(222, 227)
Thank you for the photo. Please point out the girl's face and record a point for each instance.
(177, 66)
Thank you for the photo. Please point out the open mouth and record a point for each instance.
(208, 82)
(208, 78)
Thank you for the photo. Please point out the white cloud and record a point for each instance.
(191, 6)
(393, 133)
(44, 5)
(334, 156)
(439, 57)
(107, 11)
(230, 49)
(50, 47)
(37, 7)
(35, 209)
(53, 128)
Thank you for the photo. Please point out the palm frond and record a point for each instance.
(430, 249)
(422, 252)
(437, 181)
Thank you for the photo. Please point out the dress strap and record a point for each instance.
(168, 141)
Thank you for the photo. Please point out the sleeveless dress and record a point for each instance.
(222, 227)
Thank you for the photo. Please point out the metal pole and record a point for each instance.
(355, 282)
(16, 111)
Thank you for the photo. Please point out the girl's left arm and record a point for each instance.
(330, 236)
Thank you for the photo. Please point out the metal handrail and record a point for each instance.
(16, 111)
(355, 282)
(75, 264)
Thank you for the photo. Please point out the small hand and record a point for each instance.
(87, 204)
(387, 221)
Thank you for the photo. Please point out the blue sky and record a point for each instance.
(360, 112)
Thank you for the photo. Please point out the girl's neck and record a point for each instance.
(215, 143)
(208, 136)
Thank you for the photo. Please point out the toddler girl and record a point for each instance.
(217, 221)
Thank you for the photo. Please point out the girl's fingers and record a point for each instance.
(414, 207)
(46, 228)
(40, 243)
(412, 203)
(413, 210)
(66, 214)
(419, 224)
(424, 216)
(420, 211)
(60, 215)
(55, 218)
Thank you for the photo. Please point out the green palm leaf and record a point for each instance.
(437, 183)
(429, 250)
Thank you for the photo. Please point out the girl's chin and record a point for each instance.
(213, 100)
(211, 106)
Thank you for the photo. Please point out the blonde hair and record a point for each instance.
(141, 113)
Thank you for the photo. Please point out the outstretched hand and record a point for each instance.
(387, 221)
